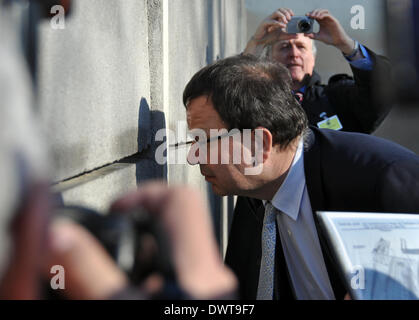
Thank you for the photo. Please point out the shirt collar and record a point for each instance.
(302, 90)
(288, 197)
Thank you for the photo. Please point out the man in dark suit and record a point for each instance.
(275, 247)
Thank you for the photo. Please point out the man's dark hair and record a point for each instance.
(248, 92)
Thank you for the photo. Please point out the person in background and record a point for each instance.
(349, 102)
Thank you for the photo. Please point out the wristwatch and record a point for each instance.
(353, 53)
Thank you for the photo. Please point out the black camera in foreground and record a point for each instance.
(135, 240)
(300, 24)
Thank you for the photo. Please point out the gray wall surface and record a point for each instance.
(113, 77)
(213, 30)
(92, 77)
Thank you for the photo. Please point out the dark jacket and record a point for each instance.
(344, 172)
(352, 99)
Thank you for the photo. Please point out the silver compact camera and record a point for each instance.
(300, 24)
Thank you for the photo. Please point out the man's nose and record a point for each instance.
(294, 51)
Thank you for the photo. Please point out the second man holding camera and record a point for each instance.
(345, 103)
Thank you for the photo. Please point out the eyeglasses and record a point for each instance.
(192, 139)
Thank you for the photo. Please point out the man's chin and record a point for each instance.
(297, 77)
(218, 191)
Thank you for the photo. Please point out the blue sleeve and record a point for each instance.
(364, 63)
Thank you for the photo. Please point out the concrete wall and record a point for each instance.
(401, 124)
(200, 32)
(115, 76)
(92, 77)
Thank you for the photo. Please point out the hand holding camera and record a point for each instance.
(272, 29)
(331, 32)
(158, 237)
(199, 269)
(284, 25)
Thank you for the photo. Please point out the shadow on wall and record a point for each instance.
(149, 122)
(144, 126)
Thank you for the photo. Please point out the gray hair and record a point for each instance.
(314, 47)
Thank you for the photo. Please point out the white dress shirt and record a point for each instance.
(298, 233)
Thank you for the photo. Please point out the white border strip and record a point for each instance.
(166, 80)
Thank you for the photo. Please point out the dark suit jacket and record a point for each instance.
(344, 172)
(353, 99)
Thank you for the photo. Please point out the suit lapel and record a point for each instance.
(260, 210)
(312, 169)
(244, 245)
(314, 181)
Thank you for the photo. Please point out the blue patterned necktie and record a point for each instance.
(267, 265)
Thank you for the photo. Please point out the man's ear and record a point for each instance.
(262, 142)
